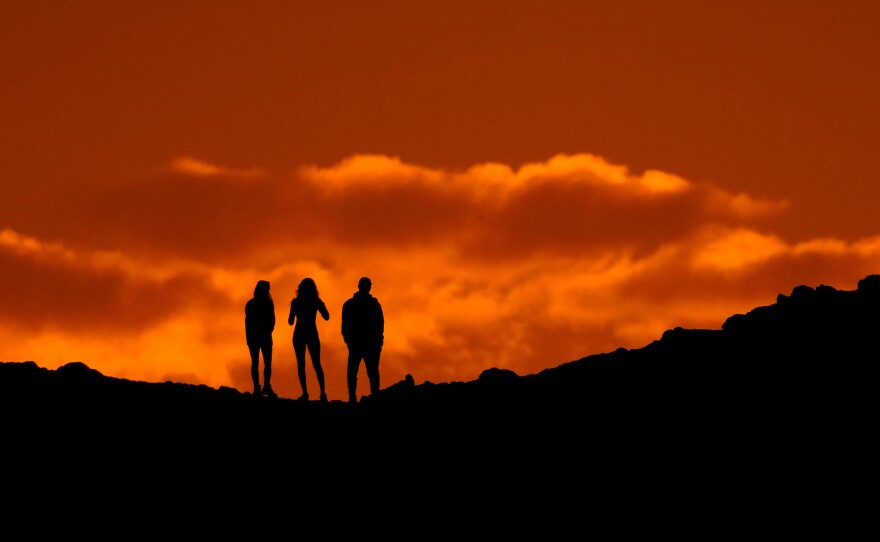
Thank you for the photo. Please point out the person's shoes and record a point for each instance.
(269, 392)
(352, 398)
(303, 397)
(323, 397)
(257, 391)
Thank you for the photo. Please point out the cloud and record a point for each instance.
(570, 203)
(198, 168)
(488, 181)
(739, 248)
(50, 286)
(374, 172)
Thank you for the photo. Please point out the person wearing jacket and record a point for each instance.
(363, 330)
(259, 323)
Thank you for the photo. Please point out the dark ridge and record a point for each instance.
(782, 397)
(815, 348)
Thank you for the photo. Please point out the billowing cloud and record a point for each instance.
(569, 203)
(493, 266)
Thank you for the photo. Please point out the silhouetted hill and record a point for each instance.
(813, 349)
(781, 397)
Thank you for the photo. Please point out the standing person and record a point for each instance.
(304, 310)
(363, 329)
(259, 323)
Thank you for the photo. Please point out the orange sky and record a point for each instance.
(527, 183)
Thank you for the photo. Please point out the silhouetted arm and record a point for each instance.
(292, 316)
(270, 316)
(322, 308)
(380, 323)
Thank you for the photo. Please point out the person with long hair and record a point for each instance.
(304, 310)
(259, 323)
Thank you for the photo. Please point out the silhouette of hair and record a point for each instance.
(307, 289)
(262, 289)
(364, 284)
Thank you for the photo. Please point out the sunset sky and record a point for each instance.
(525, 182)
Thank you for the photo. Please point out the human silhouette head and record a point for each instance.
(365, 284)
(307, 288)
(262, 289)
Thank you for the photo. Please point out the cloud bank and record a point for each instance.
(521, 268)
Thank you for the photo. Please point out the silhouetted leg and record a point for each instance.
(315, 353)
(255, 366)
(267, 366)
(354, 361)
(371, 362)
(299, 348)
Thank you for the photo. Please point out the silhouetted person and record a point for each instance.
(259, 323)
(304, 309)
(363, 329)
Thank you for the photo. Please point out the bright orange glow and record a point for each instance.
(522, 192)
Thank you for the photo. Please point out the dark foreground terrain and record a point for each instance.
(773, 416)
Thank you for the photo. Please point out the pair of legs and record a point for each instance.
(370, 356)
(255, 349)
(313, 345)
